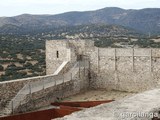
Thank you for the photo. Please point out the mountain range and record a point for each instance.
(143, 20)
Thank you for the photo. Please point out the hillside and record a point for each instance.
(24, 55)
(90, 31)
(144, 20)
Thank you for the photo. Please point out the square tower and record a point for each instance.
(57, 51)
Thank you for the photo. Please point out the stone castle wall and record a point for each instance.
(131, 70)
(9, 89)
(68, 50)
(57, 52)
(122, 69)
(45, 97)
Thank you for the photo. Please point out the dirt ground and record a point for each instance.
(96, 95)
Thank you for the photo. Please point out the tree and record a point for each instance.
(28, 65)
(1, 68)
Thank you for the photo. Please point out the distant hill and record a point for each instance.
(144, 20)
(91, 31)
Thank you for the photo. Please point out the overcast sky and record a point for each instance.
(16, 7)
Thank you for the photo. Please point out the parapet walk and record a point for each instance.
(45, 88)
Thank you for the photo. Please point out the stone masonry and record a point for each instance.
(132, 70)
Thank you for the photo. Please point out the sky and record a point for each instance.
(17, 7)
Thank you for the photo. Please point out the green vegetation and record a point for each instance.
(23, 56)
(1, 68)
(122, 42)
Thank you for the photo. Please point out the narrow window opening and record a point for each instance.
(57, 54)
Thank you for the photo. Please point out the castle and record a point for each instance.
(124, 69)
(73, 66)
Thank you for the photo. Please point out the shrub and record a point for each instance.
(28, 65)
(1, 68)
